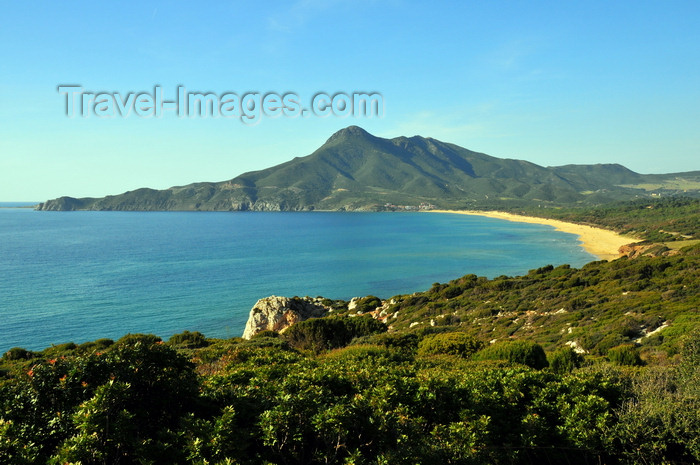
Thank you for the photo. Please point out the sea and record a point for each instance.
(80, 276)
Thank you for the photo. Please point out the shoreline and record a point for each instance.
(602, 243)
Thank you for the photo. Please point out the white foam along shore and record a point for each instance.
(602, 243)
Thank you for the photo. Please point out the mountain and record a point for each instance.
(355, 170)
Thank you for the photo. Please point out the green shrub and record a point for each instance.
(58, 350)
(451, 292)
(189, 340)
(689, 369)
(266, 333)
(589, 340)
(104, 342)
(367, 304)
(18, 353)
(660, 421)
(274, 342)
(320, 334)
(401, 343)
(625, 354)
(362, 352)
(145, 389)
(691, 349)
(94, 346)
(458, 344)
(523, 352)
(630, 328)
(609, 341)
(364, 326)
(565, 360)
(133, 339)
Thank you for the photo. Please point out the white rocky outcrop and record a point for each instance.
(352, 305)
(279, 313)
(577, 348)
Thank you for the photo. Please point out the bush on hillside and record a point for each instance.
(321, 334)
(523, 352)
(458, 344)
(565, 360)
(190, 340)
(626, 354)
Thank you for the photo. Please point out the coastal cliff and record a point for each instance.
(648, 249)
(169, 200)
(279, 313)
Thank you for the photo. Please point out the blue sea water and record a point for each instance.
(79, 276)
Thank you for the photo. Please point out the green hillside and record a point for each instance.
(649, 302)
(355, 170)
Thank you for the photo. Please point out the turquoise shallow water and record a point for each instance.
(78, 276)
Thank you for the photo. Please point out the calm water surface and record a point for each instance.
(79, 276)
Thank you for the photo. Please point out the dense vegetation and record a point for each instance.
(658, 220)
(648, 302)
(401, 398)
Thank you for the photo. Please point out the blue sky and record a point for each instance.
(550, 82)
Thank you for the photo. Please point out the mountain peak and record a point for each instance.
(349, 132)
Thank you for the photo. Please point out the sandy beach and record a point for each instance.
(602, 243)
